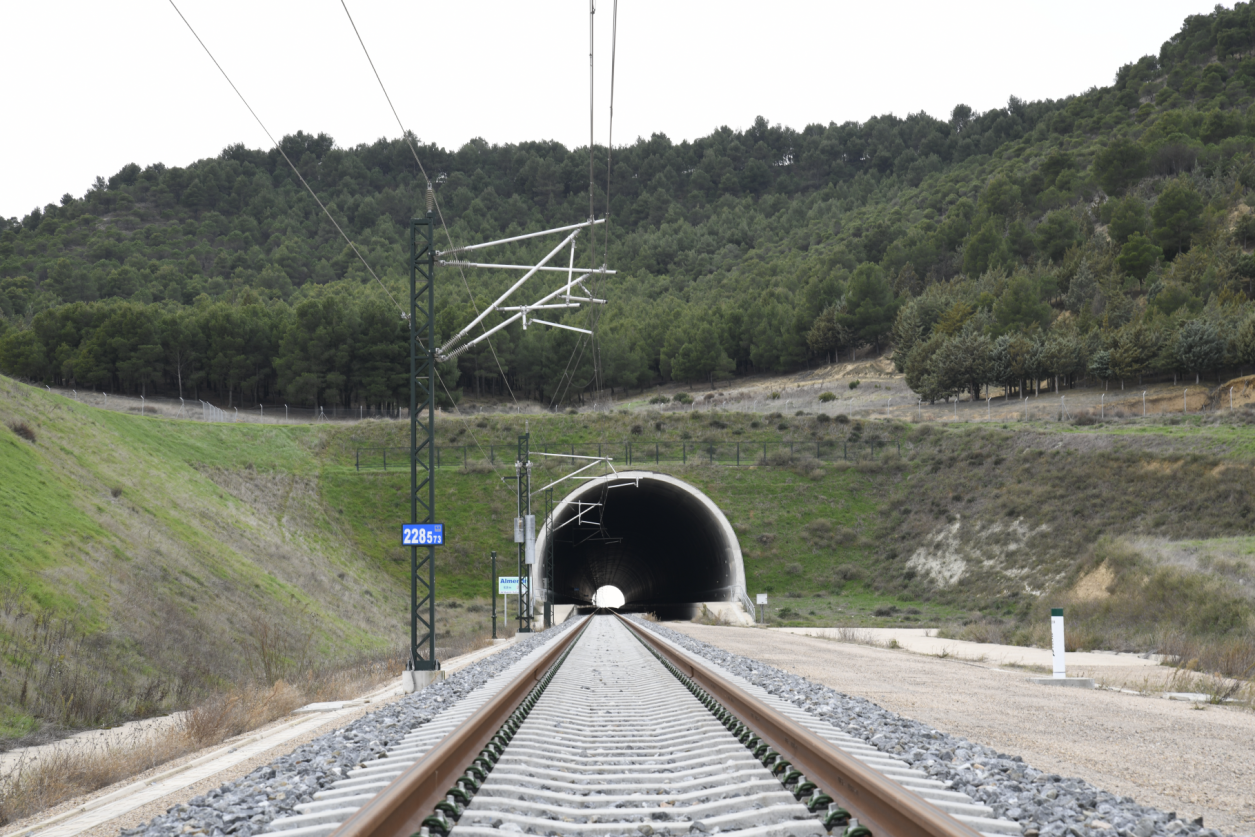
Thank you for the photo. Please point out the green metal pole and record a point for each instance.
(550, 597)
(524, 467)
(422, 438)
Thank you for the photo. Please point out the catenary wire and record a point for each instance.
(440, 212)
(413, 150)
(595, 316)
(605, 233)
(313, 195)
(279, 148)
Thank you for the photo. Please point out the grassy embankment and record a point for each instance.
(981, 526)
(147, 564)
(152, 554)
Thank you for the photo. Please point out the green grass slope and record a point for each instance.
(145, 560)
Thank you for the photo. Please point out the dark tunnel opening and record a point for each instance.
(662, 542)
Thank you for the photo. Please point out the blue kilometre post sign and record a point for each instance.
(422, 534)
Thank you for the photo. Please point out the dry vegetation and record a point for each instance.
(1131, 596)
(75, 767)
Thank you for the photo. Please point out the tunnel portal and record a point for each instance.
(661, 541)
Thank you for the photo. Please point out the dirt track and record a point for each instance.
(1164, 753)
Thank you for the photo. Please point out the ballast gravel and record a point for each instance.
(1045, 804)
(245, 807)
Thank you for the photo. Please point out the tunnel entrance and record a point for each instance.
(662, 542)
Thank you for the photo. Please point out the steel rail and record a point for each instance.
(399, 809)
(878, 802)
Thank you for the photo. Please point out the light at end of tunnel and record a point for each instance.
(608, 596)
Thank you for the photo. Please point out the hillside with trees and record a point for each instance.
(1100, 237)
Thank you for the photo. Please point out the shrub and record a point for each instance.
(782, 426)
(854, 384)
(660, 399)
(717, 424)
(682, 398)
(774, 396)
(637, 430)
(116, 491)
(756, 424)
(827, 396)
(22, 429)
(848, 572)
(823, 418)
(1084, 419)
(658, 426)
(884, 610)
(793, 569)
(842, 418)
(800, 413)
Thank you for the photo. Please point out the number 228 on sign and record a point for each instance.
(422, 534)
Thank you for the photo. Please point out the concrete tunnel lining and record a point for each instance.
(660, 540)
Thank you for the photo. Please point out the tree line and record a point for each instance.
(1076, 221)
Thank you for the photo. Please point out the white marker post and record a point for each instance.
(1056, 635)
(762, 602)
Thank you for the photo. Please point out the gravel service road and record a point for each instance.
(1169, 755)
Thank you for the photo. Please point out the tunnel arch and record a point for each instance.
(665, 544)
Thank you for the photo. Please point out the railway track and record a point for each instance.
(610, 730)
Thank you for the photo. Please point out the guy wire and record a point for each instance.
(295, 170)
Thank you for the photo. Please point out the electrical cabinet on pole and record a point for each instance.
(422, 438)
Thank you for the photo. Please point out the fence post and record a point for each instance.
(655, 453)
(385, 458)
(845, 451)
(684, 453)
(357, 459)
(712, 454)
(628, 445)
(738, 454)
(764, 453)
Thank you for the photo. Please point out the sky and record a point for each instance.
(92, 86)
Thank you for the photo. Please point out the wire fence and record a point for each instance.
(194, 409)
(627, 454)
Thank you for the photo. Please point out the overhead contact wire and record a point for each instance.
(410, 142)
(595, 316)
(413, 150)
